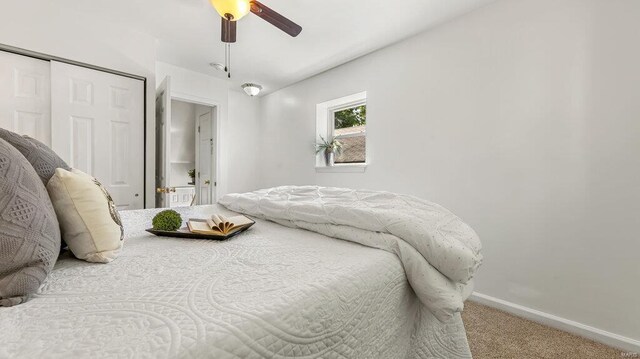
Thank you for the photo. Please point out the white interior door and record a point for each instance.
(98, 127)
(205, 174)
(163, 144)
(25, 96)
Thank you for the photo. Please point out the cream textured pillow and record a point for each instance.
(90, 223)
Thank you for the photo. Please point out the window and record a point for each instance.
(345, 120)
(350, 129)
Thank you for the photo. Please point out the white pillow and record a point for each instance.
(88, 218)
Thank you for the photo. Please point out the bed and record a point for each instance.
(273, 291)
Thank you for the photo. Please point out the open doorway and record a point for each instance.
(191, 154)
(186, 152)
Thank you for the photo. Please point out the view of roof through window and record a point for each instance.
(350, 128)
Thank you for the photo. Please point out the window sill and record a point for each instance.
(350, 168)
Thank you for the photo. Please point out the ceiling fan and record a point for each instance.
(233, 10)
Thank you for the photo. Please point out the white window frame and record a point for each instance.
(325, 127)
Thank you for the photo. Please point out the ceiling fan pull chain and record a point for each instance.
(226, 63)
(228, 55)
(227, 66)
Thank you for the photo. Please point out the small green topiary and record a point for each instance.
(168, 220)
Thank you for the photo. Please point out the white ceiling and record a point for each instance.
(334, 32)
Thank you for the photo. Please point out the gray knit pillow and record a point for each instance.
(41, 157)
(29, 230)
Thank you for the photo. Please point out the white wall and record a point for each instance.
(45, 27)
(243, 138)
(522, 118)
(238, 128)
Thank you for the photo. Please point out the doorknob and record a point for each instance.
(207, 182)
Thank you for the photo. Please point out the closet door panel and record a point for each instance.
(98, 126)
(25, 96)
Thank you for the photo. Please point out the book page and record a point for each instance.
(240, 221)
(197, 226)
(212, 224)
(218, 225)
(215, 219)
(227, 225)
(222, 223)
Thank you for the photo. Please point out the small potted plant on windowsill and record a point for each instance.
(192, 175)
(330, 149)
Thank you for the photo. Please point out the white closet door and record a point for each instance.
(25, 100)
(98, 128)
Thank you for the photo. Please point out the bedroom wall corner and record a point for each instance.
(243, 136)
(520, 117)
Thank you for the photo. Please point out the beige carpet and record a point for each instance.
(496, 334)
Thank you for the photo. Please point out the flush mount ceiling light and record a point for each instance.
(233, 10)
(217, 66)
(251, 89)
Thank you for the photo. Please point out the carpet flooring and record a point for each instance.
(496, 334)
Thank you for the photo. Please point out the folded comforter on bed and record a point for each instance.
(439, 253)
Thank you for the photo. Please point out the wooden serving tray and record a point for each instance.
(185, 233)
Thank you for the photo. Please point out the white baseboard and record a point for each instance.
(602, 336)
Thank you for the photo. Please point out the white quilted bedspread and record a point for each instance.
(272, 292)
(439, 252)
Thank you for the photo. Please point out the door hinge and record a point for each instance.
(198, 129)
(215, 184)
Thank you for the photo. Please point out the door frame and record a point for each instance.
(216, 109)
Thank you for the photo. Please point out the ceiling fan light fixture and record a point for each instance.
(236, 8)
(251, 89)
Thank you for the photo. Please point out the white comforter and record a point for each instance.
(439, 252)
(272, 292)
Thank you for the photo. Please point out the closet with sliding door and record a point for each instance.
(93, 119)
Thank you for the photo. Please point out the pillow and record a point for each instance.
(89, 220)
(41, 157)
(29, 230)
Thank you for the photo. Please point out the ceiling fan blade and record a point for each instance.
(228, 30)
(275, 19)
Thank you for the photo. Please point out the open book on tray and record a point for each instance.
(218, 225)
